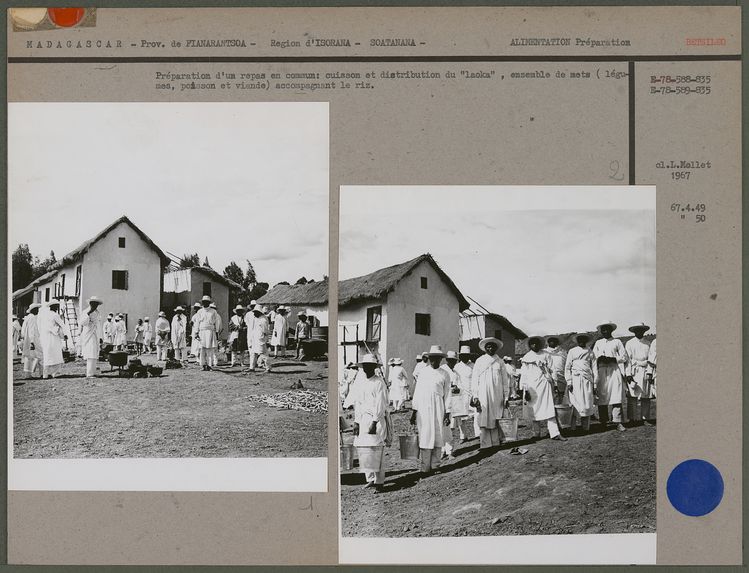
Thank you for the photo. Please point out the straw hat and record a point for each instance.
(301, 313)
(179, 309)
(34, 305)
(352, 365)
(196, 305)
(418, 357)
(162, 313)
(642, 327)
(369, 359)
(397, 362)
(53, 302)
(238, 307)
(451, 354)
(253, 303)
(146, 319)
(436, 350)
(212, 305)
(14, 317)
(507, 358)
(611, 324)
(206, 298)
(465, 350)
(391, 362)
(282, 309)
(485, 341)
(95, 298)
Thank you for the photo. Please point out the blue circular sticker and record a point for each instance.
(695, 487)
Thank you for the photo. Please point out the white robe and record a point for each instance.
(179, 331)
(280, 331)
(147, 332)
(369, 398)
(652, 354)
(107, 330)
(51, 328)
(15, 336)
(637, 365)
(257, 335)
(234, 323)
(610, 379)
(162, 331)
(430, 396)
(30, 334)
(207, 325)
(120, 333)
(536, 378)
(458, 404)
(488, 381)
(579, 372)
(90, 326)
(398, 383)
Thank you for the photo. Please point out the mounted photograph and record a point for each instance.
(497, 360)
(144, 239)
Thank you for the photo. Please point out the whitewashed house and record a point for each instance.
(185, 287)
(121, 264)
(476, 324)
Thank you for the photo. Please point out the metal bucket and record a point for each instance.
(370, 457)
(564, 415)
(508, 428)
(347, 457)
(409, 446)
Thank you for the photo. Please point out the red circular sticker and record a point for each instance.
(65, 17)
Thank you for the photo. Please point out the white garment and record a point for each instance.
(162, 331)
(280, 331)
(257, 335)
(207, 325)
(15, 335)
(368, 396)
(51, 328)
(90, 325)
(610, 377)
(147, 333)
(558, 360)
(430, 397)
(398, 384)
(637, 366)
(488, 381)
(234, 323)
(579, 372)
(30, 334)
(536, 378)
(120, 333)
(459, 404)
(179, 332)
(108, 332)
(652, 365)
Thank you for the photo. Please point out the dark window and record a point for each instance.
(122, 242)
(498, 334)
(423, 282)
(78, 281)
(206, 289)
(119, 280)
(374, 323)
(423, 324)
(62, 284)
(46, 294)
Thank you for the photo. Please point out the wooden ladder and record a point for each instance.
(71, 317)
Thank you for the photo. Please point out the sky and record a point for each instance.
(230, 181)
(550, 259)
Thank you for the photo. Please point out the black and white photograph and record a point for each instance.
(145, 240)
(497, 361)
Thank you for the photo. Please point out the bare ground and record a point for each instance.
(184, 413)
(602, 482)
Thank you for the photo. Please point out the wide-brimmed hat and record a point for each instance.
(301, 313)
(146, 318)
(95, 298)
(391, 361)
(205, 298)
(162, 313)
(351, 365)
(418, 356)
(369, 359)
(464, 350)
(179, 309)
(582, 338)
(212, 305)
(397, 362)
(533, 339)
(507, 358)
(34, 305)
(281, 308)
(552, 337)
(238, 307)
(436, 350)
(642, 327)
(451, 354)
(118, 317)
(611, 324)
(257, 309)
(15, 317)
(253, 303)
(53, 302)
(485, 341)
(197, 305)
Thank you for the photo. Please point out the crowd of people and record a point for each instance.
(41, 336)
(598, 381)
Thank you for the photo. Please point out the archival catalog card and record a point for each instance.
(374, 285)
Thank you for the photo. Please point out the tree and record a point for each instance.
(234, 273)
(22, 266)
(258, 290)
(41, 267)
(301, 281)
(189, 260)
(250, 276)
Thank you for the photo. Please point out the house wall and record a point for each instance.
(409, 298)
(219, 295)
(508, 340)
(142, 297)
(351, 316)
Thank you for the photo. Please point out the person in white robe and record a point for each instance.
(108, 330)
(579, 373)
(258, 340)
(464, 369)
(120, 333)
(207, 326)
(91, 326)
(217, 339)
(512, 375)
(349, 375)
(537, 385)
(429, 409)
(179, 335)
(162, 336)
(639, 385)
(651, 372)
(279, 338)
(398, 380)
(368, 396)
(15, 335)
(457, 404)
(422, 361)
(139, 328)
(611, 364)
(194, 342)
(32, 346)
(51, 336)
(488, 382)
(147, 334)
(558, 360)
(237, 336)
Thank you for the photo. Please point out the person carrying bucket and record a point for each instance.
(580, 377)
(369, 397)
(488, 382)
(536, 384)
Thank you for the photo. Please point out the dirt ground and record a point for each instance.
(184, 413)
(602, 482)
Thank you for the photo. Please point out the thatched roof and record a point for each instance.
(373, 286)
(77, 254)
(310, 294)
